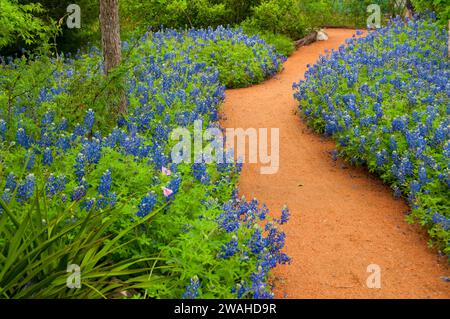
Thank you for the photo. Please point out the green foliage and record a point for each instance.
(172, 13)
(283, 44)
(285, 17)
(236, 62)
(37, 246)
(84, 85)
(238, 10)
(349, 13)
(440, 7)
(71, 40)
(20, 26)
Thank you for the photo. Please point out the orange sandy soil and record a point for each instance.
(342, 217)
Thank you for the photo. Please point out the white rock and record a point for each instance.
(322, 36)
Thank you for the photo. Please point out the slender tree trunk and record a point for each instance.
(110, 29)
(410, 8)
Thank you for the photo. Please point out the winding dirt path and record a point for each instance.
(343, 218)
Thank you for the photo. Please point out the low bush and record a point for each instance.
(21, 26)
(283, 44)
(440, 7)
(280, 17)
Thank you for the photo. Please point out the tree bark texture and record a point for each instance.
(110, 29)
(111, 44)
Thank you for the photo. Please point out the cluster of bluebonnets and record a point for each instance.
(213, 243)
(385, 98)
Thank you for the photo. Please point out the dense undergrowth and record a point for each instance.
(385, 98)
(279, 22)
(101, 192)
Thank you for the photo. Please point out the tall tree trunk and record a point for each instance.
(110, 29)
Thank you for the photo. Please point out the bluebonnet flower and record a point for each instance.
(161, 133)
(257, 243)
(88, 204)
(2, 129)
(392, 143)
(92, 151)
(6, 197)
(229, 218)
(192, 289)
(146, 205)
(117, 136)
(62, 126)
(405, 169)
(442, 220)
(378, 110)
(105, 184)
(275, 239)
(399, 124)
(48, 118)
(47, 157)
(121, 121)
(423, 178)
(79, 130)
(440, 134)
(22, 138)
(26, 189)
(106, 197)
(284, 216)
(263, 211)
(414, 188)
(11, 182)
(230, 249)
(240, 290)
(80, 166)
(380, 159)
(30, 159)
(200, 173)
(63, 143)
(89, 119)
(78, 193)
(45, 140)
(174, 185)
(397, 192)
(55, 185)
(132, 144)
(259, 285)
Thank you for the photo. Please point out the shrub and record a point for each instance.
(174, 14)
(283, 44)
(20, 26)
(441, 7)
(284, 17)
(71, 40)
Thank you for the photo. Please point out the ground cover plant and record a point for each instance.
(143, 226)
(385, 98)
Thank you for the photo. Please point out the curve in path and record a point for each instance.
(342, 218)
